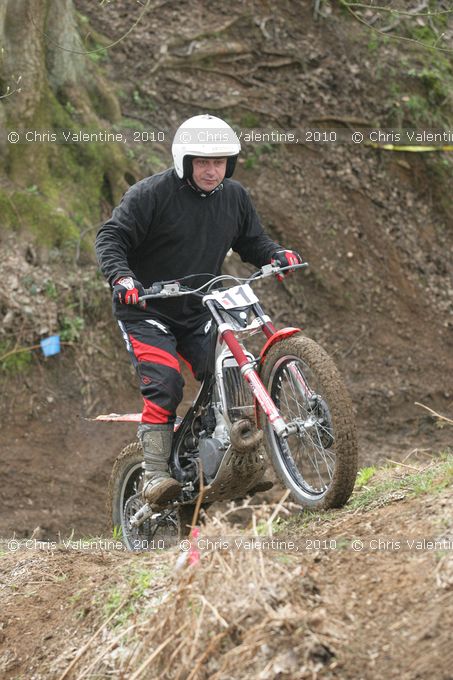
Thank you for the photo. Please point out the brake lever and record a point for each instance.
(273, 270)
(161, 290)
(171, 289)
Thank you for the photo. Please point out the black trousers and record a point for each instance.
(155, 349)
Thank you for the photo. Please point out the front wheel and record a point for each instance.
(162, 529)
(318, 463)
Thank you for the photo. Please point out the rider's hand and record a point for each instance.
(127, 290)
(285, 258)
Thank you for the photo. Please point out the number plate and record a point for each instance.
(239, 296)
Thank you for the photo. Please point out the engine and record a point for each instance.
(206, 443)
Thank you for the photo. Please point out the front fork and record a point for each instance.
(249, 373)
(256, 385)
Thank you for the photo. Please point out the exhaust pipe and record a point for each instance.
(244, 436)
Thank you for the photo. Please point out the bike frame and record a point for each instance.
(226, 333)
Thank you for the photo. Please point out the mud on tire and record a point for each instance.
(319, 466)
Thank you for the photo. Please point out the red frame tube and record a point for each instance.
(260, 393)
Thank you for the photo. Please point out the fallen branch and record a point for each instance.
(225, 103)
(196, 67)
(410, 467)
(28, 349)
(416, 11)
(214, 31)
(262, 26)
(434, 413)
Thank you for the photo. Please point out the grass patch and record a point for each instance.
(140, 592)
(117, 533)
(364, 475)
(71, 328)
(432, 480)
(249, 120)
(375, 487)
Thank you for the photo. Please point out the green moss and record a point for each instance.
(60, 185)
(259, 150)
(14, 363)
(98, 56)
(425, 35)
(103, 100)
(249, 120)
(22, 210)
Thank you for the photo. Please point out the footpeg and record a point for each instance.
(141, 515)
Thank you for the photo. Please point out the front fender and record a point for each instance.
(278, 335)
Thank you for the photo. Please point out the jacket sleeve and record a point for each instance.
(253, 244)
(124, 231)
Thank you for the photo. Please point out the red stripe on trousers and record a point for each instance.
(187, 363)
(152, 413)
(153, 355)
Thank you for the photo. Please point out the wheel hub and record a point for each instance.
(322, 420)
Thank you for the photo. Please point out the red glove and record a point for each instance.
(127, 290)
(285, 258)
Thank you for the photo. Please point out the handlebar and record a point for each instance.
(166, 289)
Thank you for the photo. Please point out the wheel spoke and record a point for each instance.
(321, 451)
(307, 458)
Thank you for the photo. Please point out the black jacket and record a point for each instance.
(163, 229)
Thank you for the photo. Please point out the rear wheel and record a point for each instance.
(162, 529)
(319, 462)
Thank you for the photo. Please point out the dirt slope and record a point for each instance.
(373, 598)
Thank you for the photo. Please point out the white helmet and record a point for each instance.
(204, 136)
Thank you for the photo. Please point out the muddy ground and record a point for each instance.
(373, 598)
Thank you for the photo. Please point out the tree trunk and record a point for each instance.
(44, 77)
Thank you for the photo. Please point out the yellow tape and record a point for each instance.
(412, 149)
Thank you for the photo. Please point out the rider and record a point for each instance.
(178, 222)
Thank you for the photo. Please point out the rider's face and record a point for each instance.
(208, 172)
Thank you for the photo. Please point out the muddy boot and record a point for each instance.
(158, 486)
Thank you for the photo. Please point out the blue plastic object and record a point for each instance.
(50, 345)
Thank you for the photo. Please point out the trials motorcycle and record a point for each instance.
(287, 405)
